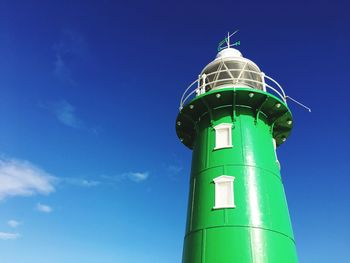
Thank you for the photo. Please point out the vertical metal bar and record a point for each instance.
(263, 80)
(204, 76)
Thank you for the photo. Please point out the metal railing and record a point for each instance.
(201, 85)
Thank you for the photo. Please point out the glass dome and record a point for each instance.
(231, 69)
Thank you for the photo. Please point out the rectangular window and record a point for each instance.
(223, 135)
(224, 194)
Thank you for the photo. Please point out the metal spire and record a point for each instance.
(227, 40)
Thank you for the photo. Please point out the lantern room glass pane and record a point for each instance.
(232, 73)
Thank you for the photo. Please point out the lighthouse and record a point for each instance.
(233, 117)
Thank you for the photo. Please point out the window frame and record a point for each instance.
(224, 179)
(223, 126)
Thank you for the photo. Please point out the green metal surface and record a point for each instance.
(258, 229)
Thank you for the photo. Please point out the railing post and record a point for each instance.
(204, 76)
(201, 84)
(198, 85)
(263, 80)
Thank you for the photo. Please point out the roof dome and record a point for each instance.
(228, 53)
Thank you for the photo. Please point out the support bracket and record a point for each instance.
(234, 106)
(258, 110)
(210, 112)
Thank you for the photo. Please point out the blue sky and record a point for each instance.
(91, 169)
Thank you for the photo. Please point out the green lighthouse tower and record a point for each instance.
(233, 117)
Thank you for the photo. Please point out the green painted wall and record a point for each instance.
(258, 229)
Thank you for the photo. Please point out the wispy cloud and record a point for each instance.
(80, 182)
(44, 208)
(13, 223)
(174, 169)
(70, 48)
(89, 183)
(21, 178)
(9, 236)
(138, 176)
(65, 113)
(62, 70)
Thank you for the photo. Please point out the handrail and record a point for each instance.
(201, 89)
(182, 97)
(234, 69)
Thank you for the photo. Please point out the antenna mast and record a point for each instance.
(228, 42)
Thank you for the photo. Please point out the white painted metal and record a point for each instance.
(228, 53)
(299, 103)
(227, 40)
(223, 136)
(226, 63)
(224, 192)
(200, 89)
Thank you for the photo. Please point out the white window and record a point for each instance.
(223, 135)
(224, 194)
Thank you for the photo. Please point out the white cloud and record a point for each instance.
(70, 51)
(8, 236)
(62, 70)
(174, 169)
(21, 178)
(138, 176)
(13, 223)
(89, 183)
(65, 113)
(44, 208)
(80, 182)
